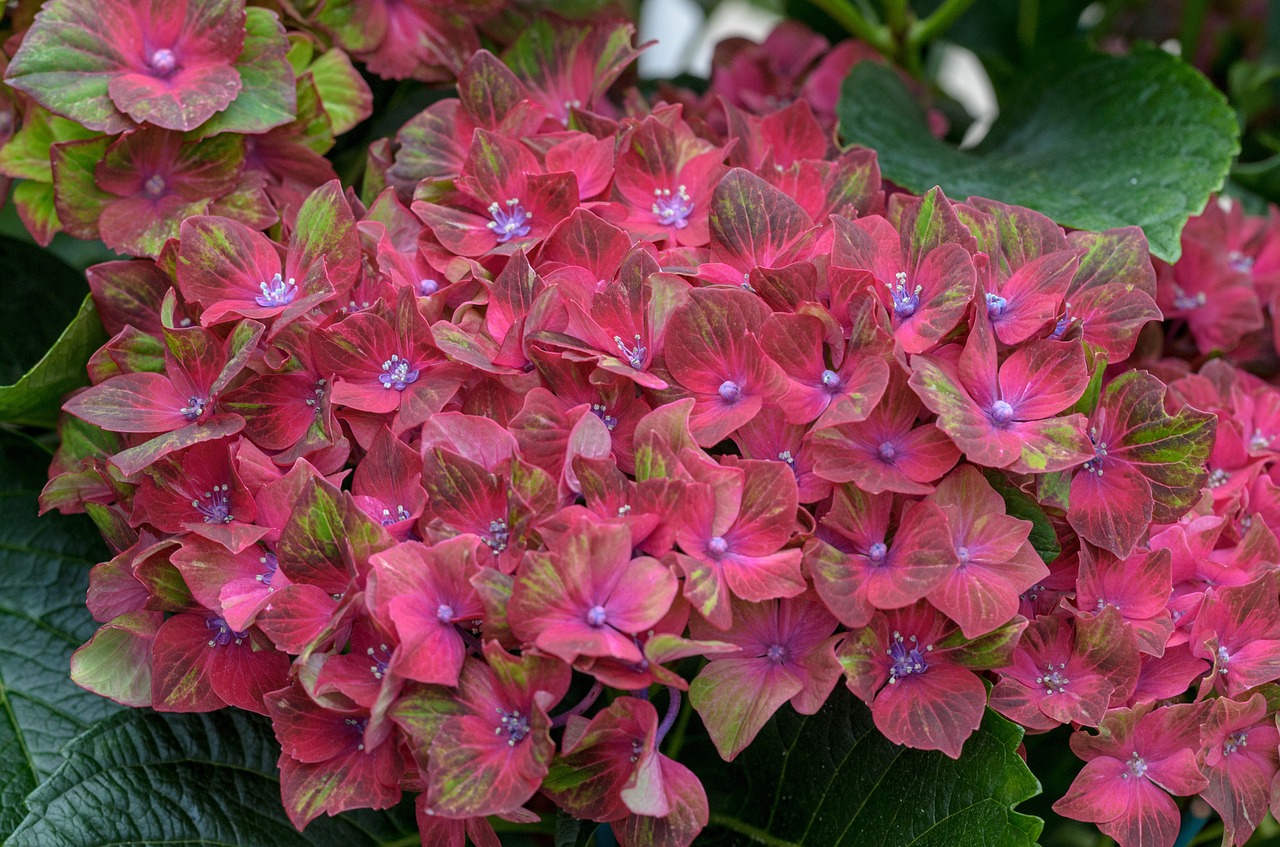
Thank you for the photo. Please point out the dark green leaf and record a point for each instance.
(1021, 505)
(143, 778)
(35, 398)
(831, 780)
(1093, 142)
(44, 571)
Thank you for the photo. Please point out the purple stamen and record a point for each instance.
(397, 373)
(730, 391)
(905, 300)
(511, 222)
(672, 210)
(163, 62)
(906, 660)
(276, 292)
(218, 509)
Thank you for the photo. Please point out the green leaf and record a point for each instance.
(45, 340)
(346, 96)
(35, 398)
(268, 98)
(142, 778)
(1094, 142)
(1019, 504)
(832, 780)
(44, 571)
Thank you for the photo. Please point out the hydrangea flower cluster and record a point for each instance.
(448, 483)
(135, 115)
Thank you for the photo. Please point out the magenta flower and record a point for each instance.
(1065, 673)
(996, 562)
(587, 596)
(424, 594)
(199, 663)
(857, 566)
(887, 451)
(1139, 586)
(1006, 416)
(168, 64)
(665, 176)
(486, 747)
(1238, 630)
(734, 523)
(714, 354)
(1240, 744)
(925, 277)
(918, 677)
(785, 654)
(1138, 756)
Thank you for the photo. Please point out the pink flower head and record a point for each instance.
(910, 667)
(713, 353)
(925, 277)
(587, 596)
(1064, 673)
(1138, 756)
(1006, 415)
(1240, 744)
(734, 524)
(785, 654)
(858, 565)
(996, 563)
(168, 64)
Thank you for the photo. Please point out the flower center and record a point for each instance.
(1001, 413)
(1224, 658)
(163, 62)
(215, 505)
(1258, 441)
(271, 564)
(222, 633)
(597, 616)
(1053, 680)
(1184, 302)
(602, 412)
(276, 292)
(427, 287)
(1094, 465)
(776, 654)
(397, 373)
(786, 457)
(887, 452)
(906, 657)
(830, 379)
(1240, 262)
(1235, 741)
(905, 300)
(717, 547)
(730, 391)
(1218, 478)
(635, 358)
(1060, 328)
(499, 535)
(877, 553)
(962, 553)
(511, 222)
(389, 517)
(512, 724)
(444, 613)
(194, 408)
(381, 657)
(1137, 767)
(996, 305)
(154, 186)
(672, 210)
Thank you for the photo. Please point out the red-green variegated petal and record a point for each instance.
(737, 696)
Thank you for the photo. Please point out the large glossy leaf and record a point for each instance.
(44, 570)
(143, 778)
(48, 329)
(831, 780)
(1093, 141)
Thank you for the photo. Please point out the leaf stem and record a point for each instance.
(1028, 23)
(940, 21)
(676, 744)
(849, 17)
(755, 833)
(673, 709)
(563, 718)
(1193, 15)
